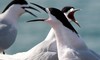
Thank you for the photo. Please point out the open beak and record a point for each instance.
(39, 6)
(36, 20)
(39, 18)
(71, 16)
(29, 7)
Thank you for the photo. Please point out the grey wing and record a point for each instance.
(87, 55)
(94, 53)
(50, 56)
(7, 35)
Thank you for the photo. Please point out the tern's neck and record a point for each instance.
(50, 35)
(67, 38)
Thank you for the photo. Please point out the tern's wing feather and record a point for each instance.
(7, 34)
(40, 56)
(94, 53)
(50, 56)
(87, 55)
(44, 56)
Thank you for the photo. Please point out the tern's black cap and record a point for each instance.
(66, 8)
(61, 17)
(21, 2)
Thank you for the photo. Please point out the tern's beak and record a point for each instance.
(71, 16)
(36, 20)
(39, 6)
(29, 7)
(44, 9)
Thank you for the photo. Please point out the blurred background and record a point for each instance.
(30, 34)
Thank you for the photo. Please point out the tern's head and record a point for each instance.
(69, 13)
(56, 17)
(19, 7)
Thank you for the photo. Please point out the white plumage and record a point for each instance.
(8, 22)
(69, 44)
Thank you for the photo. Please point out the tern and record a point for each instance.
(70, 46)
(8, 22)
(49, 44)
